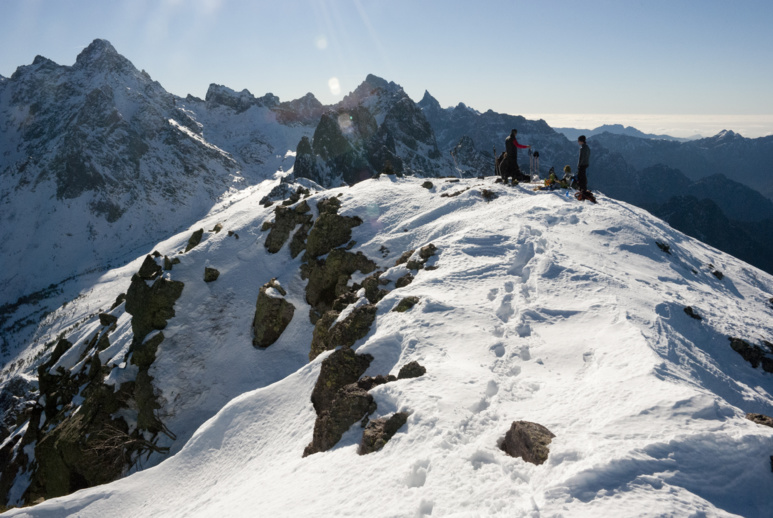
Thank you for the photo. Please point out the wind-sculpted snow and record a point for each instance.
(535, 307)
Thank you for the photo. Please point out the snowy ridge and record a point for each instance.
(541, 308)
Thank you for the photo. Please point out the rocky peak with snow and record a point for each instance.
(306, 110)
(376, 94)
(376, 128)
(218, 95)
(429, 103)
(101, 55)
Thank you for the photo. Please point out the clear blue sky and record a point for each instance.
(694, 57)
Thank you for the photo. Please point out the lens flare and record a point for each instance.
(345, 123)
(334, 85)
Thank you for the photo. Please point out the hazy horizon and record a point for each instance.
(674, 125)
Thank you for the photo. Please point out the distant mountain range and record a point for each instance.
(619, 129)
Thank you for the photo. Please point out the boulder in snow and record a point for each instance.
(378, 432)
(211, 274)
(194, 240)
(106, 319)
(691, 313)
(527, 440)
(341, 368)
(760, 419)
(272, 314)
(149, 269)
(351, 404)
(411, 370)
(406, 304)
(754, 354)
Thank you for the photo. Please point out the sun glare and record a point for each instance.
(334, 85)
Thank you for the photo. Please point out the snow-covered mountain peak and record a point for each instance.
(101, 55)
(376, 94)
(726, 135)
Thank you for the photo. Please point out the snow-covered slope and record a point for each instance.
(540, 308)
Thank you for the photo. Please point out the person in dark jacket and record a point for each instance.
(510, 165)
(583, 163)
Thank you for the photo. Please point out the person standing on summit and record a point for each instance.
(582, 164)
(510, 166)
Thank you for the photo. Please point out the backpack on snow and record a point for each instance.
(585, 195)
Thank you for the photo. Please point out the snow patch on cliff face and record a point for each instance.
(541, 308)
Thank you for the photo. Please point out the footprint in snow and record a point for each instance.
(522, 257)
(418, 474)
(505, 310)
(498, 350)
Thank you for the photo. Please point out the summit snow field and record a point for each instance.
(534, 307)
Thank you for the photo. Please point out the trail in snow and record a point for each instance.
(542, 308)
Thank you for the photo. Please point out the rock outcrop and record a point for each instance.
(151, 306)
(344, 333)
(378, 432)
(341, 368)
(760, 419)
(285, 220)
(329, 278)
(272, 314)
(754, 354)
(338, 400)
(351, 404)
(194, 240)
(406, 304)
(411, 370)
